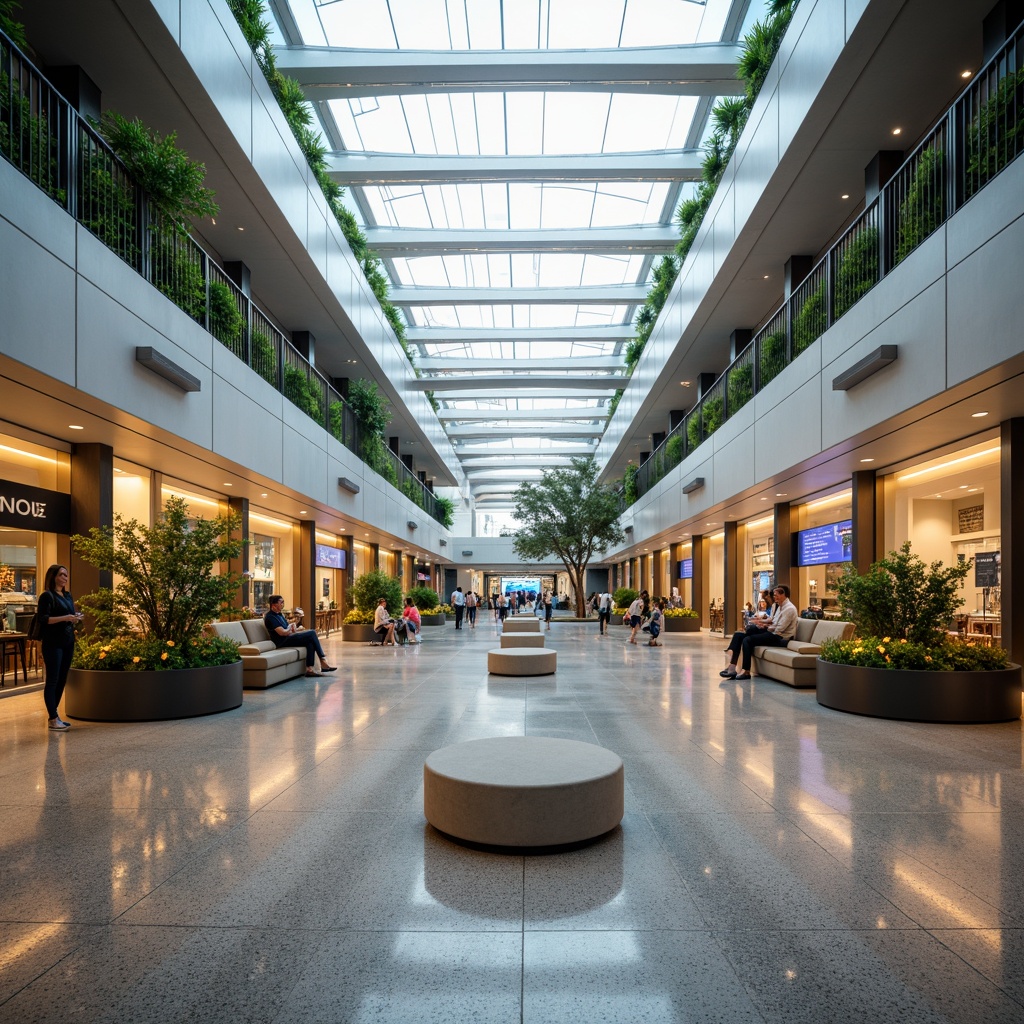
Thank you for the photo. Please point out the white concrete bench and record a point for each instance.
(523, 625)
(521, 661)
(523, 791)
(521, 640)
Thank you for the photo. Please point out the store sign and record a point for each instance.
(330, 558)
(986, 568)
(33, 508)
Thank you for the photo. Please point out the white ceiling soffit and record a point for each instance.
(518, 175)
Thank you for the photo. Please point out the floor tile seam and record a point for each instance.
(972, 967)
(45, 971)
(865, 879)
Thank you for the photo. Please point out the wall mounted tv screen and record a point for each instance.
(330, 558)
(684, 569)
(821, 544)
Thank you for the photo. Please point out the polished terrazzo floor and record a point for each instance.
(777, 861)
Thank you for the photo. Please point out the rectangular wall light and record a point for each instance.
(166, 368)
(693, 485)
(348, 485)
(882, 356)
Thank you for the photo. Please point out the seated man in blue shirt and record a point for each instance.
(286, 634)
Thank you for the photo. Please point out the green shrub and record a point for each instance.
(923, 208)
(772, 357)
(623, 597)
(304, 392)
(711, 414)
(264, 356)
(948, 654)
(133, 653)
(812, 320)
(373, 585)
(857, 272)
(674, 450)
(446, 511)
(424, 598)
(177, 271)
(740, 386)
(629, 486)
(996, 135)
(226, 321)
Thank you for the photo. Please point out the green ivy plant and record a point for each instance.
(305, 392)
(227, 324)
(857, 272)
(630, 491)
(923, 208)
(446, 511)
(812, 320)
(740, 386)
(996, 134)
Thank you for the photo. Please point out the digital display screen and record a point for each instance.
(529, 584)
(822, 544)
(330, 558)
(684, 569)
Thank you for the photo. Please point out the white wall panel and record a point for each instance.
(789, 432)
(35, 329)
(107, 369)
(27, 208)
(274, 164)
(757, 162)
(982, 333)
(243, 430)
(997, 204)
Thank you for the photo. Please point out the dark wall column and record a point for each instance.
(1011, 529)
(305, 342)
(348, 575)
(92, 504)
(733, 576)
(698, 551)
(305, 574)
(866, 519)
(241, 563)
(784, 548)
(374, 556)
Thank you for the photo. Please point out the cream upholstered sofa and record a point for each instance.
(797, 662)
(263, 664)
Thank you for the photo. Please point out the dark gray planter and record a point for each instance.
(686, 624)
(921, 696)
(357, 632)
(436, 619)
(103, 696)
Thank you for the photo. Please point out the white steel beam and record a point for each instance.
(635, 240)
(350, 168)
(602, 295)
(609, 333)
(465, 365)
(516, 382)
(546, 430)
(515, 415)
(470, 456)
(698, 69)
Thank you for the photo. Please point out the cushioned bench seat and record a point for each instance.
(263, 663)
(797, 662)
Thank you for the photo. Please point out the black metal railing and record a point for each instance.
(47, 140)
(972, 142)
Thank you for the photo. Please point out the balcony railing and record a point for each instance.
(972, 142)
(47, 140)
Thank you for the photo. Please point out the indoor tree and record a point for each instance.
(570, 515)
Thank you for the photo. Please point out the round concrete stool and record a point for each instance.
(523, 625)
(521, 661)
(522, 640)
(523, 791)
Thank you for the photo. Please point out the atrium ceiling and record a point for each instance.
(517, 165)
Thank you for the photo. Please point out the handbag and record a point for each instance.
(35, 628)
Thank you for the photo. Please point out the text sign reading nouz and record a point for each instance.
(822, 544)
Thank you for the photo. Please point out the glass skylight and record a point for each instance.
(568, 129)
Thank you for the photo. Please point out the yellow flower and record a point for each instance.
(103, 654)
(880, 649)
(170, 643)
(903, 641)
(887, 657)
(105, 649)
(163, 657)
(885, 639)
(927, 657)
(136, 660)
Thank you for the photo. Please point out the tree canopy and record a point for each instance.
(568, 514)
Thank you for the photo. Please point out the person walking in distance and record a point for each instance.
(471, 603)
(604, 613)
(459, 604)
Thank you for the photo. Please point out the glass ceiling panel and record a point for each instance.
(515, 316)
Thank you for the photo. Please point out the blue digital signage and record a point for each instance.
(822, 544)
(330, 558)
(684, 569)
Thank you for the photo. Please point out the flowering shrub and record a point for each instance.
(950, 654)
(133, 653)
(680, 613)
(443, 609)
(359, 617)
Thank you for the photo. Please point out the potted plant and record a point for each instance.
(447, 611)
(428, 603)
(681, 620)
(148, 656)
(903, 663)
(357, 626)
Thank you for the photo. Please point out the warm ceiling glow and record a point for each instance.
(269, 522)
(845, 195)
(75, 426)
(867, 460)
(978, 415)
(947, 465)
(27, 455)
(897, 131)
(965, 74)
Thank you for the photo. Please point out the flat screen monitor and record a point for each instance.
(529, 584)
(422, 573)
(822, 544)
(330, 558)
(685, 569)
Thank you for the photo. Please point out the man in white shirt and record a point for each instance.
(459, 604)
(781, 630)
(604, 613)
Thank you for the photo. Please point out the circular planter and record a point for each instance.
(99, 696)
(682, 624)
(432, 620)
(915, 696)
(357, 632)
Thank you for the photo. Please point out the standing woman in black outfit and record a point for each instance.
(56, 613)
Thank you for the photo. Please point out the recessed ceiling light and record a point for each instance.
(766, 277)
(978, 415)
(303, 512)
(963, 487)
(240, 228)
(781, 494)
(116, 470)
(972, 490)
(845, 195)
(263, 494)
(867, 460)
(75, 426)
(897, 131)
(966, 74)
(226, 484)
(685, 383)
